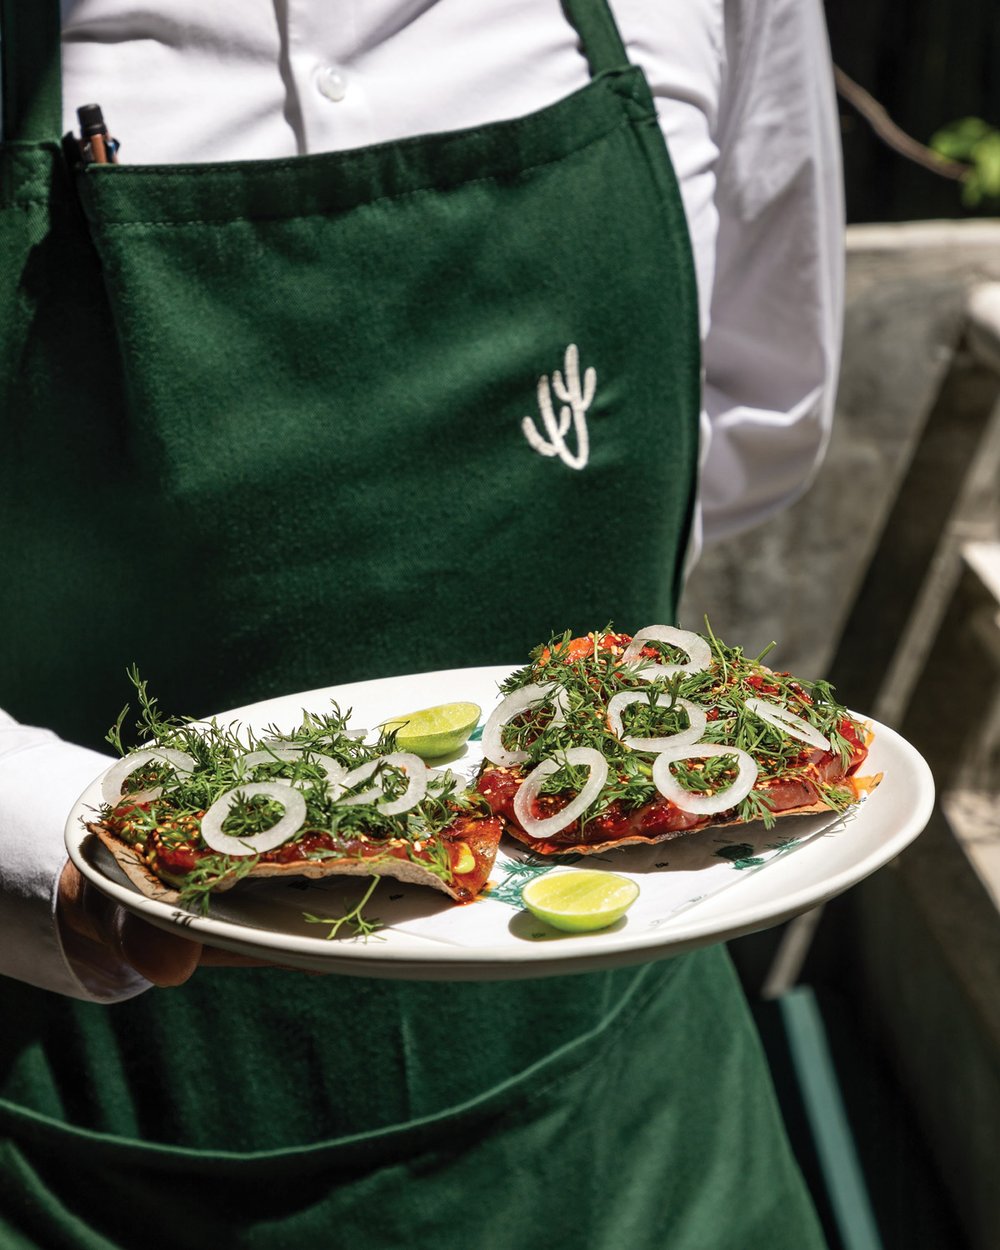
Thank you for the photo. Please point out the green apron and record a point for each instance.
(280, 424)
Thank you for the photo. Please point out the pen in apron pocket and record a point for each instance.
(96, 145)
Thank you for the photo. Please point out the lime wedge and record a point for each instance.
(434, 731)
(579, 900)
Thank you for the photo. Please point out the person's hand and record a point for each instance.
(88, 919)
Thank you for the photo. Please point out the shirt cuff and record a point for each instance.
(41, 777)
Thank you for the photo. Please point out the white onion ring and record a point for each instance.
(531, 785)
(698, 651)
(560, 701)
(116, 776)
(335, 772)
(793, 725)
(257, 843)
(703, 804)
(416, 775)
(683, 737)
(516, 702)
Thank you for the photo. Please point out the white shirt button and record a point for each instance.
(331, 82)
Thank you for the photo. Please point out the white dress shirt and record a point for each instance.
(745, 99)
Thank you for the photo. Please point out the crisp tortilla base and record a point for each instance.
(143, 877)
(860, 785)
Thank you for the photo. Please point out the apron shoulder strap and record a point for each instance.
(594, 23)
(30, 63)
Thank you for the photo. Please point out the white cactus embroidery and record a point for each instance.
(575, 403)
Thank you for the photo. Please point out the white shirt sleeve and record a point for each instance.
(41, 777)
(772, 349)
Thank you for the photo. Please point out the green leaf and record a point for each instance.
(956, 140)
(986, 155)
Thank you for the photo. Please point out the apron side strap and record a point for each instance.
(594, 23)
(31, 66)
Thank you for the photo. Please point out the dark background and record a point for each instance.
(929, 63)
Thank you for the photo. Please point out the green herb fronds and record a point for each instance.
(586, 682)
(354, 919)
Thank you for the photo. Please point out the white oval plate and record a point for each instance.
(702, 888)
